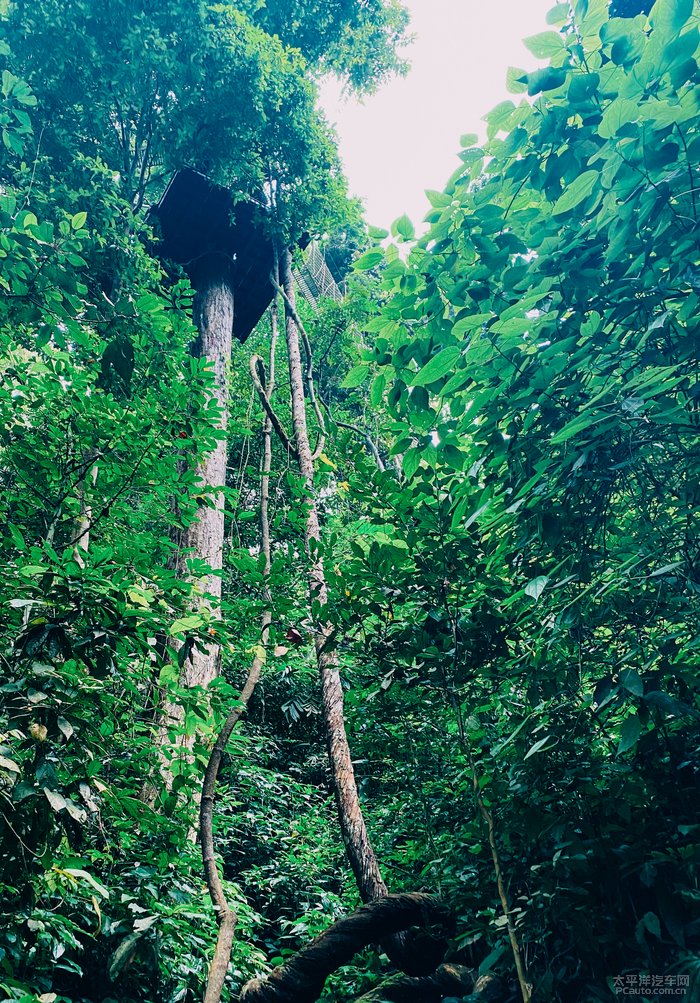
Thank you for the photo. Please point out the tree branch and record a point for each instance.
(301, 979)
(448, 980)
(264, 400)
(309, 371)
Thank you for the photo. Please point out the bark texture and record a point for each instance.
(226, 917)
(449, 980)
(213, 315)
(301, 979)
(203, 540)
(359, 849)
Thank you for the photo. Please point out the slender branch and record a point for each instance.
(484, 810)
(309, 370)
(368, 439)
(274, 420)
(116, 496)
(690, 169)
(487, 815)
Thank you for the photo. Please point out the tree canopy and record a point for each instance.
(461, 559)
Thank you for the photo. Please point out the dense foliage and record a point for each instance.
(508, 493)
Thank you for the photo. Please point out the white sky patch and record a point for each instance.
(404, 139)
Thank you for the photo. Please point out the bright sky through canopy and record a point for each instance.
(405, 139)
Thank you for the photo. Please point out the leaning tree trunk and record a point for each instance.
(419, 954)
(360, 852)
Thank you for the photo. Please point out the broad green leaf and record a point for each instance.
(629, 733)
(669, 16)
(403, 227)
(545, 80)
(356, 376)
(65, 726)
(185, 624)
(631, 681)
(536, 587)
(78, 221)
(545, 45)
(438, 199)
(370, 259)
(56, 800)
(649, 922)
(667, 704)
(576, 192)
(377, 389)
(559, 14)
(618, 114)
(437, 367)
(516, 80)
(17, 537)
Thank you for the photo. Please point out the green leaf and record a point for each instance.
(498, 118)
(545, 45)
(541, 746)
(56, 800)
(185, 624)
(8, 79)
(629, 733)
(668, 16)
(356, 376)
(516, 80)
(631, 681)
(439, 200)
(618, 114)
(649, 922)
(559, 14)
(78, 220)
(666, 569)
(576, 192)
(377, 389)
(65, 727)
(411, 462)
(370, 259)
(667, 704)
(536, 587)
(17, 537)
(403, 227)
(545, 80)
(437, 367)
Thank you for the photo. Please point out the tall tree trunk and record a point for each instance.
(226, 917)
(203, 540)
(360, 852)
